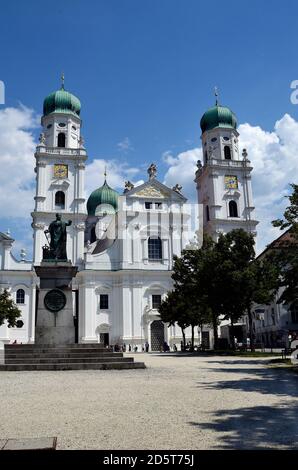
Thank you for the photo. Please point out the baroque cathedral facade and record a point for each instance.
(123, 244)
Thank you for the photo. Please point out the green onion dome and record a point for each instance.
(61, 101)
(106, 197)
(218, 116)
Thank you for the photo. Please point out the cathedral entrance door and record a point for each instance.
(104, 338)
(157, 329)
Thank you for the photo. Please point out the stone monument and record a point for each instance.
(55, 321)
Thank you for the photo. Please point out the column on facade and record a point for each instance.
(80, 187)
(136, 244)
(79, 237)
(117, 314)
(137, 310)
(87, 313)
(6, 254)
(128, 331)
(165, 250)
(40, 185)
(215, 193)
(31, 314)
(39, 241)
(144, 248)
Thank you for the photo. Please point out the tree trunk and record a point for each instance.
(232, 338)
(184, 340)
(202, 326)
(192, 337)
(215, 332)
(251, 333)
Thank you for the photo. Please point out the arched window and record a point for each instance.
(59, 200)
(61, 139)
(20, 297)
(207, 213)
(227, 152)
(154, 248)
(233, 209)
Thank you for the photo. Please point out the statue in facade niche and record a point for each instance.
(81, 141)
(210, 152)
(42, 138)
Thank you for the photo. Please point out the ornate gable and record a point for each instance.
(150, 191)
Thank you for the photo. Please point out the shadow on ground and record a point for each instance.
(258, 427)
(265, 380)
(248, 361)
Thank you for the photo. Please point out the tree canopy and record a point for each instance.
(220, 280)
(286, 252)
(8, 309)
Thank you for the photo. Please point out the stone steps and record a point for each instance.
(66, 357)
(58, 349)
(73, 366)
(50, 353)
(65, 346)
(65, 360)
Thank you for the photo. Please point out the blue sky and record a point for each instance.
(144, 70)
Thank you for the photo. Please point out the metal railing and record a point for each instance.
(61, 150)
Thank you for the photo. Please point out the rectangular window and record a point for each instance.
(148, 205)
(154, 248)
(158, 205)
(156, 301)
(104, 302)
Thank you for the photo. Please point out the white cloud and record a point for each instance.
(274, 156)
(17, 177)
(125, 145)
(117, 174)
(17, 148)
(182, 170)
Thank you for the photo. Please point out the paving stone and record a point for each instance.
(40, 443)
(2, 443)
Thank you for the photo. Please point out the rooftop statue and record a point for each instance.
(152, 171)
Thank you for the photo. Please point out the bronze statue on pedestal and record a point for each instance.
(57, 245)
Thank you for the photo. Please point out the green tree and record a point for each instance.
(235, 251)
(261, 281)
(243, 280)
(8, 309)
(286, 252)
(173, 310)
(193, 276)
(219, 280)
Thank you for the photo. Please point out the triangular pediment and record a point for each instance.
(154, 189)
(150, 191)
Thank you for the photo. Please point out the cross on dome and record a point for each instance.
(62, 81)
(216, 93)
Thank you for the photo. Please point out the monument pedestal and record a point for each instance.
(55, 316)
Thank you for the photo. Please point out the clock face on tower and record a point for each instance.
(60, 171)
(231, 182)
